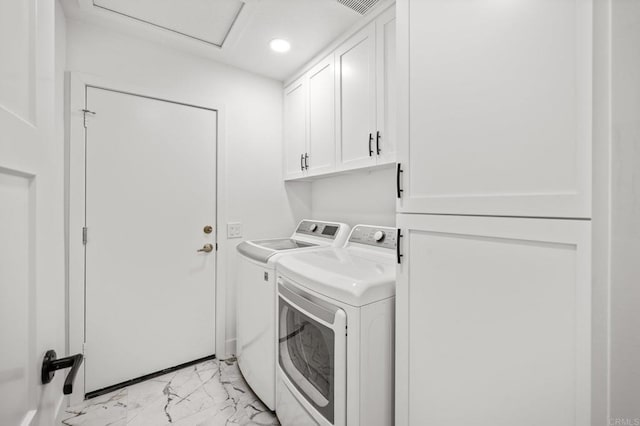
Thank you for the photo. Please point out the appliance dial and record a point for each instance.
(313, 227)
(378, 236)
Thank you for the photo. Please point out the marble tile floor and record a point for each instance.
(211, 393)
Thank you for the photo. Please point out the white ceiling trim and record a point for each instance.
(233, 34)
(240, 24)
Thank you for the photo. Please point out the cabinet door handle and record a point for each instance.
(302, 162)
(398, 189)
(378, 142)
(370, 142)
(398, 254)
(306, 161)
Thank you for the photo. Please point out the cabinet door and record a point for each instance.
(386, 67)
(493, 322)
(322, 137)
(495, 102)
(355, 93)
(295, 128)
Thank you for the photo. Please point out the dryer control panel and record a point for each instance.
(378, 236)
(319, 229)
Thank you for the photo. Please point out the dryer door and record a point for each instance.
(312, 347)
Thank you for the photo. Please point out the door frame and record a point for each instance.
(77, 84)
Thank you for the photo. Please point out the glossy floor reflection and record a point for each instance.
(209, 394)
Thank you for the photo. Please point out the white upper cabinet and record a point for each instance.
(495, 107)
(350, 105)
(309, 117)
(356, 106)
(386, 87)
(321, 118)
(295, 128)
(366, 93)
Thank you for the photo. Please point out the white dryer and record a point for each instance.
(256, 298)
(336, 324)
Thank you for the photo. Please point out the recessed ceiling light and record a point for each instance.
(279, 45)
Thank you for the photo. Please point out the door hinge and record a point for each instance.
(84, 235)
(216, 246)
(84, 118)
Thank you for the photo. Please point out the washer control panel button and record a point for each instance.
(319, 229)
(374, 236)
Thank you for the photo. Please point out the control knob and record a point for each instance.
(313, 227)
(378, 236)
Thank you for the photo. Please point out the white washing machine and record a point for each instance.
(256, 298)
(336, 310)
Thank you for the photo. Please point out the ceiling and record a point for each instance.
(236, 32)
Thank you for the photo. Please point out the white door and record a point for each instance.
(295, 128)
(322, 137)
(495, 107)
(31, 215)
(494, 321)
(150, 192)
(356, 100)
(386, 93)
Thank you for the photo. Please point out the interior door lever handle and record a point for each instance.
(207, 248)
(51, 364)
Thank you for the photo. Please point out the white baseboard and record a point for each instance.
(230, 349)
(59, 410)
(28, 418)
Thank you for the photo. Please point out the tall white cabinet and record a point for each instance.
(494, 207)
(493, 322)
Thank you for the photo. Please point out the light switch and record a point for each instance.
(234, 230)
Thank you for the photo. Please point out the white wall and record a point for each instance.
(625, 213)
(360, 197)
(255, 192)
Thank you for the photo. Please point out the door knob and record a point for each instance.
(207, 248)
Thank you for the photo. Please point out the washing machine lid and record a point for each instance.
(262, 250)
(351, 275)
(309, 234)
(282, 244)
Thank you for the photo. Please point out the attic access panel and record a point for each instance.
(209, 21)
